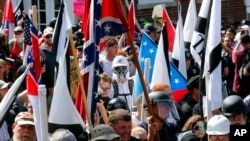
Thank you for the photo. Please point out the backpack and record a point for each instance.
(116, 89)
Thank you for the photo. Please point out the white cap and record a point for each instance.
(245, 27)
(120, 61)
(47, 31)
(218, 125)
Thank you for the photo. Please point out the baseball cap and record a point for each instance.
(244, 27)
(188, 54)
(47, 31)
(79, 45)
(3, 84)
(62, 135)
(103, 132)
(193, 82)
(23, 118)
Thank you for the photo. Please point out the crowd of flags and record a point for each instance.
(101, 24)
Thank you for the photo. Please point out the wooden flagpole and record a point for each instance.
(34, 15)
(72, 45)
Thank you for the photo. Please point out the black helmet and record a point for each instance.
(117, 103)
(75, 27)
(233, 105)
(158, 96)
(52, 22)
(161, 97)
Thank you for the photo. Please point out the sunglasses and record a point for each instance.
(112, 44)
(105, 89)
(18, 32)
(202, 127)
(48, 36)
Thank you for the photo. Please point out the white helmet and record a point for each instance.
(120, 67)
(218, 125)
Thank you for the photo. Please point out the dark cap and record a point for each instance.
(193, 82)
(78, 35)
(150, 28)
(188, 54)
(79, 45)
(245, 38)
(190, 137)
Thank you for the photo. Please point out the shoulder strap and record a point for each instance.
(131, 85)
(115, 86)
(101, 67)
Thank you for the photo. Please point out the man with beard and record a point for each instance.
(24, 127)
(234, 109)
(50, 62)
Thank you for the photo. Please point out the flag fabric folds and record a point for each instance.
(131, 21)
(189, 25)
(89, 68)
(212, 65)
(10, 96)
(18, 12)
(179, 49)
(113, 21)
(198, 37)
(165, 72)
(14, 53)
(161, 68)
(34, 75)
(62, 26)
(8, 19)
(147, 50)
(178, 84)
(170, 29)
(63, 113)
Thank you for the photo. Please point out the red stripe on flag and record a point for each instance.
(170, 29)
(179, 95)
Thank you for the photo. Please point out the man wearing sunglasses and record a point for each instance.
(49, 59)
(18, 37)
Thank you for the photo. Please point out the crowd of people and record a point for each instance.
(118, 115)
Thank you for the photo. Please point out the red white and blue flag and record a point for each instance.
(33, 77)
(33, 56)
(165, 72)
(88, 67)
(113, 21)
(106, 22)
(8, 19)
